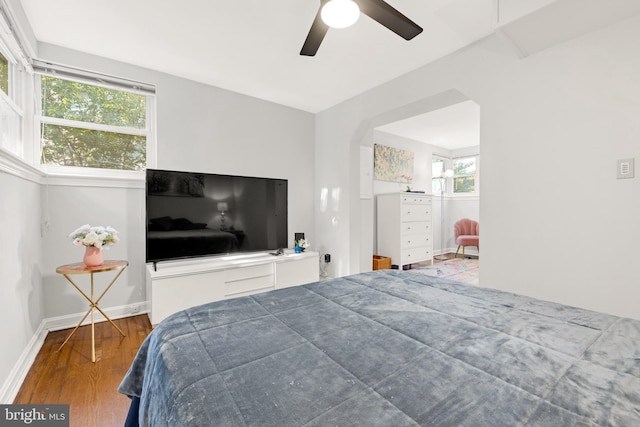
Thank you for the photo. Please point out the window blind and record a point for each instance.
(90, 77)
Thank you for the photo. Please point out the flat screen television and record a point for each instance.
(191, 214)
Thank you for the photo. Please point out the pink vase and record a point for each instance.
(93, 256)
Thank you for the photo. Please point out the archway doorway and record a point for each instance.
(444, 127)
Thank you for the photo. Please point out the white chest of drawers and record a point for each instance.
(404, 229)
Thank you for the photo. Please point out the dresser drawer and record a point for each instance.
(238, 274)
(410, 256)
(415, 228)
(415, 213)
(415, 200)
(404, 227)
(249, 286)
(248, 280)
(416, 241)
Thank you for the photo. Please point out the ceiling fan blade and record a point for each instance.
(385, 14)
(315, 36)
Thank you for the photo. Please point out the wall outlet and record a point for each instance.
(135, 309)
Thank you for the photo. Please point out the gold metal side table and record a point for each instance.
(80, 268)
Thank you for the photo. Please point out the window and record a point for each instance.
(10, 110)
(464, 175)
(93, 125)
(4, 74)
(437, 168)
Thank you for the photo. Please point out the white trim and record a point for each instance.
(469, 250)
(16, 377)
(14, 42)
(14, 165)
(463, 196)
(86, 177)
(12, 384)
(92, 126)
(71, 320)
(14, 106)
(68, 176)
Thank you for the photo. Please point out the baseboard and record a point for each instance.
(469, 250)
(11, 386)
(71, 320)
(16, 377)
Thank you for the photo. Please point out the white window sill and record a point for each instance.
(56, 175)
(91, 177)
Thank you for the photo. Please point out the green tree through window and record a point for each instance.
(464, 175)
(92, 126)
(4, 74)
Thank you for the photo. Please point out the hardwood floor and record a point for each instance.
(69, 377)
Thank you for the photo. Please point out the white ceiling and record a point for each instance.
(252, 46)
(452, 128)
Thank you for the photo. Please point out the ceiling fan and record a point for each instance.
(342, 13)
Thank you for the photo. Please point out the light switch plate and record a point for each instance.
(626, 168)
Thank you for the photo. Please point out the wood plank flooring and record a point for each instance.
(69, 377)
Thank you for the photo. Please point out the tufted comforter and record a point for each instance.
(387, 348)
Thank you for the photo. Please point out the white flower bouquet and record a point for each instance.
(302, 243)
(97, 236)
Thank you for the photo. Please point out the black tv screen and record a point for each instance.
(192, 214)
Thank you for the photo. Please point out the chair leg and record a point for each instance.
(456, 256)
(463, 252)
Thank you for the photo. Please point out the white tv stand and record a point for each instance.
(175, 285)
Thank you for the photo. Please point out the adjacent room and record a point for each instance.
(254, 213)
(445, 145)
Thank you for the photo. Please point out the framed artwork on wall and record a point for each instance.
(392, 164)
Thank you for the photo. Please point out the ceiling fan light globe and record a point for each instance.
(340, 13)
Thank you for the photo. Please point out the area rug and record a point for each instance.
(458, 269)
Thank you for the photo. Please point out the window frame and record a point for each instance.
(445, 164)
(475, 175)
(9, 70)
(15, 91)
(100, 80)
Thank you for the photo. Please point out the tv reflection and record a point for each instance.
(197, 214)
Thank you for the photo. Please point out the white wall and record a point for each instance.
(556, 224)
(21, 303)
(199, 128)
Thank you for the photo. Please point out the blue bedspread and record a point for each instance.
(388, 348)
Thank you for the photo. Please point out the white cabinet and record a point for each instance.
(404, 227)
(175, 286)
(297, 272)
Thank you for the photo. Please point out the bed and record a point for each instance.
(163, 244)
(387, 348)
